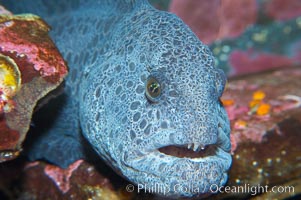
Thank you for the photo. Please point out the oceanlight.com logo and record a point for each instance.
(251, 189)
(194, 189)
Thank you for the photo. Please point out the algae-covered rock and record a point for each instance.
(30, 67)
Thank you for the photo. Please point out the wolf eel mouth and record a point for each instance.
(186, 151)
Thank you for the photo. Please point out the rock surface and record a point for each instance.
(216, 19)
(265, 114)
(30, 67)
(246, 36)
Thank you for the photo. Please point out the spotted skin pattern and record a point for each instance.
(112, 48)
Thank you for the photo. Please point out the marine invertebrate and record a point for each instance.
(61, 177)
(140, 84)
(10, 82)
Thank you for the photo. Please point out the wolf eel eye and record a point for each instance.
(153, 89)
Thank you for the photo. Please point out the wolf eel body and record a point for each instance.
(141, 88)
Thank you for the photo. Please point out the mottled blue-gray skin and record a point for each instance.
(112, 48)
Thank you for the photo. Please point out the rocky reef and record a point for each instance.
(264, 107)
(246, 36)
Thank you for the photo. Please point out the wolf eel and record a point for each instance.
(142, 90)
